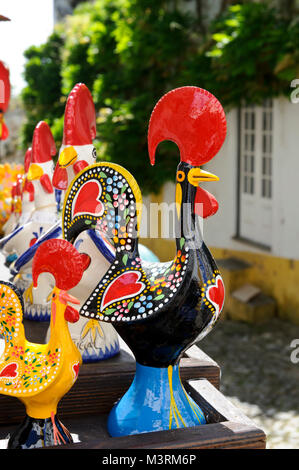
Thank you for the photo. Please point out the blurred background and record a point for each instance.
(129, 53)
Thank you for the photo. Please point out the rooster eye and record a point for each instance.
(180, 176)
(53, 296)
(94, 153)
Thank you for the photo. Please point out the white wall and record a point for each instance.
(219, 230)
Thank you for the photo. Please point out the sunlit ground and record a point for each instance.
(258, 375)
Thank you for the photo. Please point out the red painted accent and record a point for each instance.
(124, 286)
(192, 118)
(60, 179)
(14, 190)
(5, 84)
(60, 258)
(29, 188)
(13, 195)
(205, 204)
(27, 159)
(43, 144)
(71, 314)
(4, 131)
(86, 201)
(19, 186)
(32, 241)
(79, 117)
(86, 260)
(76, 368)
(216, 293)
(80, 165)
(46, 183)
(10, 371)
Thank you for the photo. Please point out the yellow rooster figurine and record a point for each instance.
(40, 374)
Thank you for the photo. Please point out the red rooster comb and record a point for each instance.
(193, 119)
(43, 144)
(4, 87)
(27, 159)
(79, 117)
(60, 258)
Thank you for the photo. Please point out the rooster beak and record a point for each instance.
(197, 175)
(67, 157)
(64, 298)
(35, 172)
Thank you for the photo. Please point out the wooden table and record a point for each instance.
(85, 408)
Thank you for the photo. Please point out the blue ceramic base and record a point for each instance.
(156, 401)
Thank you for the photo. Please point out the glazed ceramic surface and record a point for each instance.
(40, 374)
(39, 198)
(79, 131)
(95, 341)
(159, 309)
(38, 190)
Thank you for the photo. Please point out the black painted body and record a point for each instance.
(160, 339)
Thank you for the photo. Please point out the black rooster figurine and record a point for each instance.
(159, 309)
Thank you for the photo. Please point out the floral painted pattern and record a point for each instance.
(24, 370)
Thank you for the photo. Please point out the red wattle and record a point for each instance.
(205, 204)
(4, 132)
(60, 180)
(46, 183)
(71, 314)
(29, 188)
(80, 165)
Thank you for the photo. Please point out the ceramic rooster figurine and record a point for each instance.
(43, 216)
(160, 309)
(28, 205)
(21, 210)
(38, 183)
(95, 341)
(79, 131)
(40, 374)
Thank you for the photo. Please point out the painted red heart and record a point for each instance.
(215, 294)
(76, 368)
(122, 287)
(10, 371)
(86, 200)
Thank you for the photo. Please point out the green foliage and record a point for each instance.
(42, 96)
(250, 54)
(130, 52)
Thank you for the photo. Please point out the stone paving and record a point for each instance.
(258, 376)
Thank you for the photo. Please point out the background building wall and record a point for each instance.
(276, 272)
